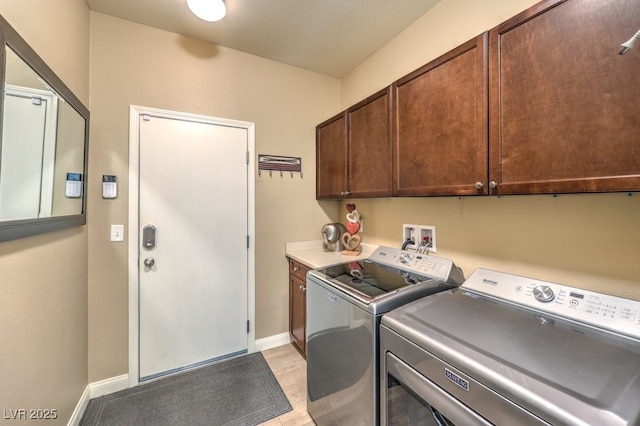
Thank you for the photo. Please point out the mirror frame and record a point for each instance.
(14, 229)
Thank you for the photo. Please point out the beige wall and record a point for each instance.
(135, 64)
(588, 240)
(43, 279)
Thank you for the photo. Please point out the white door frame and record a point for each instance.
(134, 245)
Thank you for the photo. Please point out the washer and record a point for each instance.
(509, 350)
(344, 305)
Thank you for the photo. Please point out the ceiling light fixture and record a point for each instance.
(208, 10)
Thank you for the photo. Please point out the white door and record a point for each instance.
(27, 153)
(193, 191)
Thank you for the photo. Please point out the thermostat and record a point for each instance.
(109, 186)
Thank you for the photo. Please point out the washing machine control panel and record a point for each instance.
(543, 293)
(596, 309)
(421, 264)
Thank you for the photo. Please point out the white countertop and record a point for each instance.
(311, 253)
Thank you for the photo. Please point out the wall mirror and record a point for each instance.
(44, 131)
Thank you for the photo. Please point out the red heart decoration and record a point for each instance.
(351, 207)
(352, 227)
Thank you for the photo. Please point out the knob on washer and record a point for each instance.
(543, 294)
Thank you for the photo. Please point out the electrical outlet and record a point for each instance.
(117, 233)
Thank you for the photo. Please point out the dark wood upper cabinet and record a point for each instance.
(440, 125)
(565, 106)
(353, 150)
(541, 104)
(331, 157)
(369, 146)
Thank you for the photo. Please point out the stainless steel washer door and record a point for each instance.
(341, 361)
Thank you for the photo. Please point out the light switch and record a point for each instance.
(117, 232)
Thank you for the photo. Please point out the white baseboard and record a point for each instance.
(80, 407)
(118, 383)
(107, 386)
(272, 341)
(96, 389)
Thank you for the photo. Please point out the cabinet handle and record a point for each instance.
(345, 193)
(479, 185)
(296, 268)
(302, 288)
(493, 184)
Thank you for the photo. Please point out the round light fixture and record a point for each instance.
(208, 10)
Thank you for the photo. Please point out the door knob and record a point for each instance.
(149, 262)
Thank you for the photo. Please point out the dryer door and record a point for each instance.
(412, 399)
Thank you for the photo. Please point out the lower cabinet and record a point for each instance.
(298, 304)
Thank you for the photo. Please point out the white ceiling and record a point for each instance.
(327, 36)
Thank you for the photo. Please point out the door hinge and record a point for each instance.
(247, 157)
(247, 241)
(247, 326)
(146, 117)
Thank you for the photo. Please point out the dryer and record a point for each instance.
(510, 350)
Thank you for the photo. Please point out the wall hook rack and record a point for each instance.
(279, 163)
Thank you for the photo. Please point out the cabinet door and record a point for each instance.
(369, 146)
(331, 158)
(297, 312)
(440, 125)
(565, 107)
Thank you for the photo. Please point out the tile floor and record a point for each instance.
(290, 368)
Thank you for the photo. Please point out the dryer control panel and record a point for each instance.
(599, 310)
